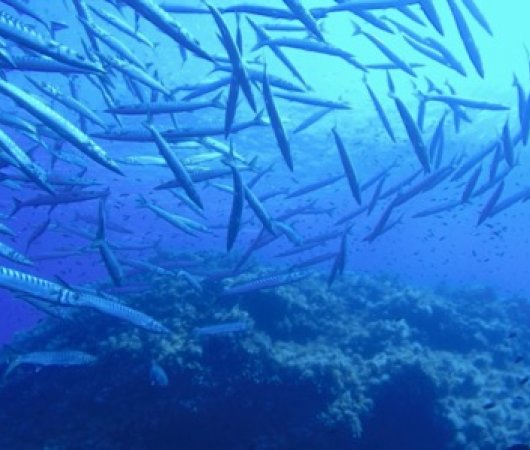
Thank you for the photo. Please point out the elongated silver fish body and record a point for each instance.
(63, 358)
(12, 29)
(59, 124)
(68, 101)
(121, 25)
(56, 293)
(125, 313)
(24, 162)
(22, 282)
(165, 22)
(10, 253)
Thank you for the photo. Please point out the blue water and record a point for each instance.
(430, 298)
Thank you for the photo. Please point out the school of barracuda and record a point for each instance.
(56, 119)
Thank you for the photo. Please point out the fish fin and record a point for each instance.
(6, 56)
(260, 119)
(100, 235)
(217, 101)
(63, 282)
(239, 36)
(183, 54)
(12, 366)
(356, 29)
(430, 12)
(55, 27)
(261, 41)
(17, 204)
(253, 163)
(174, 122)
(136, 22)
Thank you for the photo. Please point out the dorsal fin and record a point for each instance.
(55, 27)
(63, 282)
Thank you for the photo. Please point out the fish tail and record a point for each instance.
(260, 42)
(253, 163)
(217, 101)
(12, 360)
(356, 29)
(259, 119)
(17, 204)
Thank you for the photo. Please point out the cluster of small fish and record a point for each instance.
(106, 55)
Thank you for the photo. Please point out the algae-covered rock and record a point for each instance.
(348, 367)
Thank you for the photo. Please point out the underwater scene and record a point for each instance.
(264, 224)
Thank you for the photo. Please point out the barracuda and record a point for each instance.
(59, 124)
(12, 29)
(60, 295)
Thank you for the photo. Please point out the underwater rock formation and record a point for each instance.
(369, 363)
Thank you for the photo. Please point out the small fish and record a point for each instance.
(314, 186)
(183, 223)
(121, 25)
(231, 104)
(312, 46)
(522, 195)
(168, 25)
(477, 14)
(414, 134)
(221, 329)
(59, 124)
(490, 204)
(63, 358)
(436, 146)
(237, 209)
(467, 37)
(313, 100)
(262, 35)
(276, 122)
(68, 101)
(176, 166)
(312, 119)
(455, 101)
(259, 209)
(238, 66)
(470, 186)
(507, 145)
(112, 264)
(380, 111)
(340, 260)
(376, 196)
(391, 55)
(268, 282)
(112, 42)
(304, 16)
(23, 162)
(348, 167)
(60, 198)
(26, 36)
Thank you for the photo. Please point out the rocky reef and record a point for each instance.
(368, 364)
